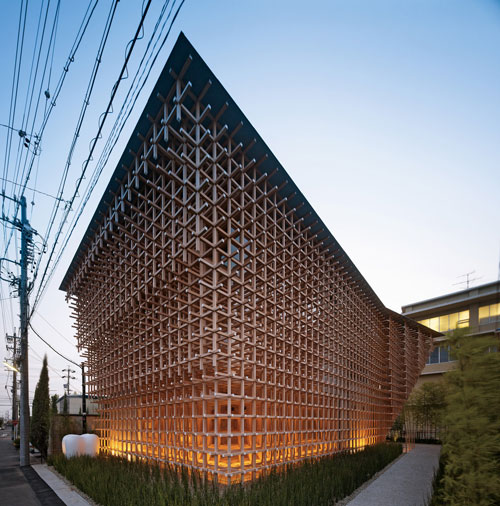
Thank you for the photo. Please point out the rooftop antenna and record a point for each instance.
(468, 280)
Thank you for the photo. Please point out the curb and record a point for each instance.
(66, 494)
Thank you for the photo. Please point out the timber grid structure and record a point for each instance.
(224, 327)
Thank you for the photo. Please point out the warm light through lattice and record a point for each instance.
(226, 329)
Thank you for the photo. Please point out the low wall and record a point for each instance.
(60, 425)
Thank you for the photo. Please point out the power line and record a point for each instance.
(13, 98)
(53, 369)
(71, 58)
(36, 150)
(52, 348)
(102, 120)
(33, 189)
(15, 81)
(53, 328)
(92, 186)
(118, 127)
(76, 135)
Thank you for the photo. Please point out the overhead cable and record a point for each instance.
(102, 120)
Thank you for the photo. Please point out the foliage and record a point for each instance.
(60, 425)
(427, 403)
(471, 449)
(114, 481)
(437, 485)
(53, 404)
(66, 423)
(40, 423)
(1, 421)
(422, 414)
(425, 407)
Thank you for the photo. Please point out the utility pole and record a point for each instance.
(68, 372)
(26, 256)
(84, 402)
(26, 239)
(15, 417)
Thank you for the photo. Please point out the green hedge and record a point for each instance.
(470, 459)
(113, 481)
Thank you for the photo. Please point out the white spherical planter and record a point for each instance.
(74, 445)
(71, 445)
(90, 444)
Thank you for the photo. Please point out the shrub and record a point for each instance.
(471, 448)
(115, 481)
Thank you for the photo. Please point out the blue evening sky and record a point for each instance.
(385, 113)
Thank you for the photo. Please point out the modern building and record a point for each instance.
(476, 309)
(74, 403)
(226, 329)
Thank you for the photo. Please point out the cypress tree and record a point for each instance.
(40, 421)
(53, 404)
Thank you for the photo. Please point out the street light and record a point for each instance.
(11, 367)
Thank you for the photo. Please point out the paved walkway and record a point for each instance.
(15, 489)
(408, 482)
(33, 485)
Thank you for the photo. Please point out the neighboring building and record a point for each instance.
(75, 405)
(226, 328)
(477, 309)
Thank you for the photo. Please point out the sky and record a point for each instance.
(386, 114)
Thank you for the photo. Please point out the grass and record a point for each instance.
(114, 481)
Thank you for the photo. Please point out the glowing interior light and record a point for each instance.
(226, 331)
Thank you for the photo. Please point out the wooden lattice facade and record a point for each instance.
(225, 328)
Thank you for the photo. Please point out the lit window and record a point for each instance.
(495, 310)
(453, 321)
(463, 319)
(489, 314)
(484, 314)
(434, 323)
(447, 322)
(443, 323)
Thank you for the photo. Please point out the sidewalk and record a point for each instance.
(408, 482)
(15, 489)
(25, 487)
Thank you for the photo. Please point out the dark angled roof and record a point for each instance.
(199, 74)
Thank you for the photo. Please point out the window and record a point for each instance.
(434, 323)
(444, 323)
(447, 322)
(489, 314)
(434, 356)
(440, 355)
(463, 319)
(444, 355)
